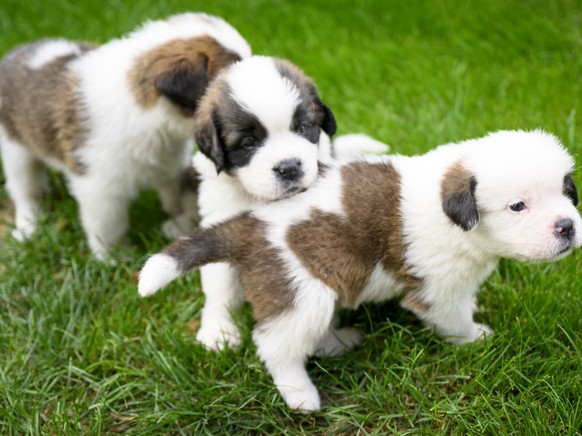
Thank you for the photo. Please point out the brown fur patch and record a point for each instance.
(177, 55)
(456, 179)
(262, 272)
(216, 93)
(41, 108)
(241, 241)
(344, 251)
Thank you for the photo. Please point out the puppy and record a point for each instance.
(428, 229)
(114, 119)
(262, 129)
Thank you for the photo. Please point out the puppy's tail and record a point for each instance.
(219, 243)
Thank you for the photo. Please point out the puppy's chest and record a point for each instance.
(139, 161)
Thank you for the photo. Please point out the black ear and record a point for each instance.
(185, 85)
(570, 190)
(458, 197)
(209, 142)
(329, 125)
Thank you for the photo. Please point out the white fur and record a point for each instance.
(256, 84)
(259, 176)
(50, 51)
(303, 330)
(355, 145)
(379, 287)
(158, 271)
(26, 180)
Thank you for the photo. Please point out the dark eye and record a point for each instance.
(303, 128)
(517, 207)
(248, 141)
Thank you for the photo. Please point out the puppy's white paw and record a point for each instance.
(216, 336)
(477, 332)
(482, 331)
(23, 231)
(303, 397)
(338, 341)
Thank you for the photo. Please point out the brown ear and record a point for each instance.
(208, 140)
(326, 118)
(185, 84)
(458, 197)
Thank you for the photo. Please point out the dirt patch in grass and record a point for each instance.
(6, 218)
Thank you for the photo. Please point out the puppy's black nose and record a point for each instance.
(289, 170)
(565, 227)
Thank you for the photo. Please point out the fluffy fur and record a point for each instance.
(262, 130)
(115, 119)
(427, 229)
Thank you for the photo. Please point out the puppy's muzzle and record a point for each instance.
(564, 228)
(289, 170)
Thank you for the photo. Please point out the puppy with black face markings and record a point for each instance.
(262, 131)
(426, 229)
(115, 118)
(260, 123)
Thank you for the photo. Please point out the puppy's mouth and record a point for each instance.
(563, 252)
(292, 190)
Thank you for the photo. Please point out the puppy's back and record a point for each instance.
(39, 107)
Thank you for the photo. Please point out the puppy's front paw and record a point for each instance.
(23, 232)
(482, 331)
(477, 332)
(304, 398)
(217, 336)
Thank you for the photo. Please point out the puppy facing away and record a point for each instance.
(115, 118)
(262, 130)
(427, 229)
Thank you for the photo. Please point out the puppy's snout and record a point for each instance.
(565, 227)
(289, 170)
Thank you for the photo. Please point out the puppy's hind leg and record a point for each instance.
(284, 342)
(223, 296)
(104, 216)
(26, 180)
(170, 197)
(452, 319)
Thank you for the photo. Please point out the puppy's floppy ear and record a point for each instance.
(329, 125)
(458, 197)
(570, 190)
(184, 83)
(209, 142)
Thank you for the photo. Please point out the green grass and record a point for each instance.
(80, 353)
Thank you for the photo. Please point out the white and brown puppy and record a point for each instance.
(115, 118)
(428, 229)
(262, 129)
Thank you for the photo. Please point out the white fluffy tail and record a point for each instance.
(354, 145)
(158, 271)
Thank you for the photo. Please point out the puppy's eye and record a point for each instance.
(303, 128)
(517, 207)
(247, 142)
